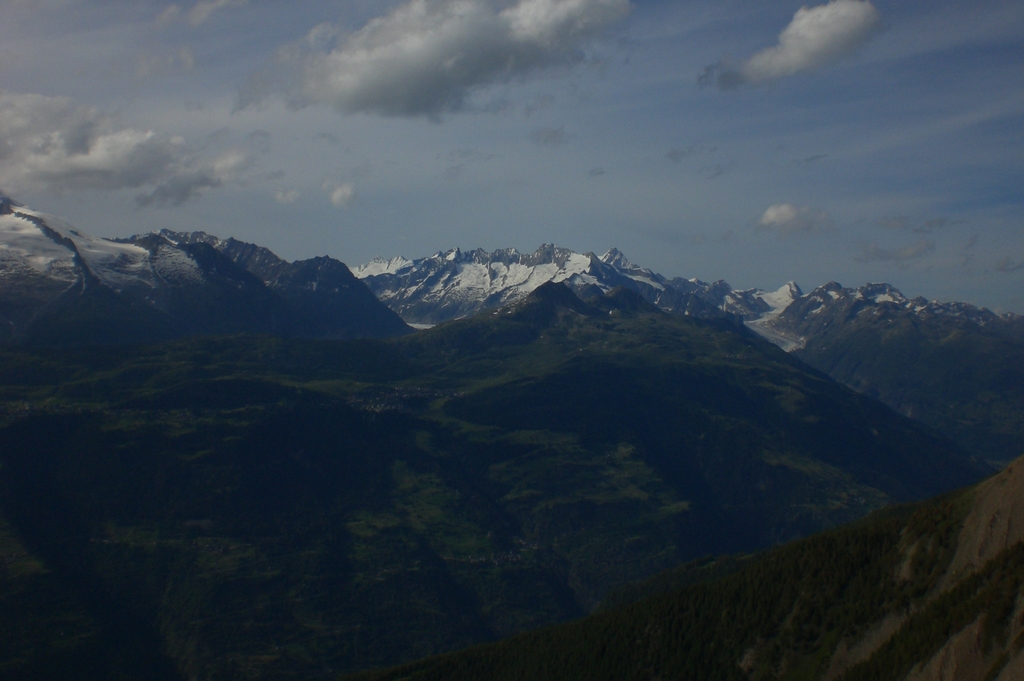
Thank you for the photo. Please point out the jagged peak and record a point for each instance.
(879, 288)
(792, 288)
(616, 258)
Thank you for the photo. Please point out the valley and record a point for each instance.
(263, 506)
(215, 463)
(918, 592)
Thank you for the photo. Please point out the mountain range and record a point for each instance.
(954, 366)
(61, 286)
(263, 507)
(215, 463)
(453, 284)
(957, 367)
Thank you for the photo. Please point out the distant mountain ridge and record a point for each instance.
(830, 303)
(453, 284)
(61, 286)
(955, 366)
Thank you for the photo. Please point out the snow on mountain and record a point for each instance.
(453, 284)
(379, 266)
(777, 302)
(832, 305)
(58, 251)
(43, 259)
(59, 286)
(24, 246)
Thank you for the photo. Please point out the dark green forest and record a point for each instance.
(782, 616)
(258, 507)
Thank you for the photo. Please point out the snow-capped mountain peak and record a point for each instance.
(781, 298)
(616, 258)
(57, 250)
(452, 284)
(379, 266)
(59, 285)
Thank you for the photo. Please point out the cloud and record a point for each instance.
(341, 195)
(259, 141)
(49, 143)
(286, 196)
(190, 182)
(1009, 265)
(550, 137)
(713, 170)
(875, 253)
(596, 172)
(201, 11)
(427, 56)
(539, 103)
(168, 16)
(180, 188)
(816, 36)
(180, 61)
(917, 226)
(789, 220)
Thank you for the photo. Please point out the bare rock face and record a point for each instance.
(995, 522)
(849, 653)
(963, 658)
(966, 657)
(1014, 669)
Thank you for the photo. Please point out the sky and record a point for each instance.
(747, 140)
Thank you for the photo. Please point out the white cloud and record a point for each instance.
(815, 37)
(426, 56)
(342, 195)
(788, 220)
(169, 15)
(201, 11)
(51, 144)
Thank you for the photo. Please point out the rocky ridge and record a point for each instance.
(454, 284)
(60, 286)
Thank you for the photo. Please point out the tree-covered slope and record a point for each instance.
(923, 593)
(256, 507)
